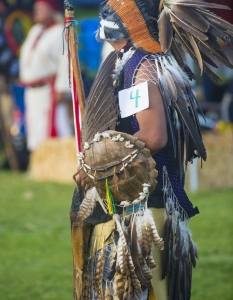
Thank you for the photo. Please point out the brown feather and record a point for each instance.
(122, 249)
(176, 53)
(87, 205)
(198, 4)
(158, 242)
(165, 30)
(206, 47)
(187, 27)
(187, 49)
(191, 16)
(86, 285)
(223, 24)
(99, 274)
(135, 257)
(112, 256)
(222, 35)
(196, 51)
(136, 283)
(179, 58)
(126, 292)
(181, 35)
(142, 236)
(211, 74)
(108, 294)
(119, 285)
(150, 262)
(146, 272)
(208, 60)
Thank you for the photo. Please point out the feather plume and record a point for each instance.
(158, 242)
(99, 274)
(87, 205)
(165, 30)
(191, 16)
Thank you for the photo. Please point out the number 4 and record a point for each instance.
(136, 97)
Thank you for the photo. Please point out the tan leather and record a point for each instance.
(80, 235)
(160, 286)
(100, 233)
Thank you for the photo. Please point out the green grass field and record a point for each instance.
(35, 251)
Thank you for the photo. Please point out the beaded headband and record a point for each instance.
(136, 23)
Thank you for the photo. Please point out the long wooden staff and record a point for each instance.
(79, 232)
(75, 70)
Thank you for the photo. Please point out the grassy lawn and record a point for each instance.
(35, 252)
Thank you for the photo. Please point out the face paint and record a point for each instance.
(110, 28)
(109, 31)
(104, 24)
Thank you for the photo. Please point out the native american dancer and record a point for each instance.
(43, 72)
(130, 227)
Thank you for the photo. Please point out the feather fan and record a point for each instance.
(101, 112)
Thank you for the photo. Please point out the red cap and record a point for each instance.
(53, 3)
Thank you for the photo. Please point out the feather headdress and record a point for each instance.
(159, 26)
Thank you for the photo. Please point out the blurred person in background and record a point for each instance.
(43, 72)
